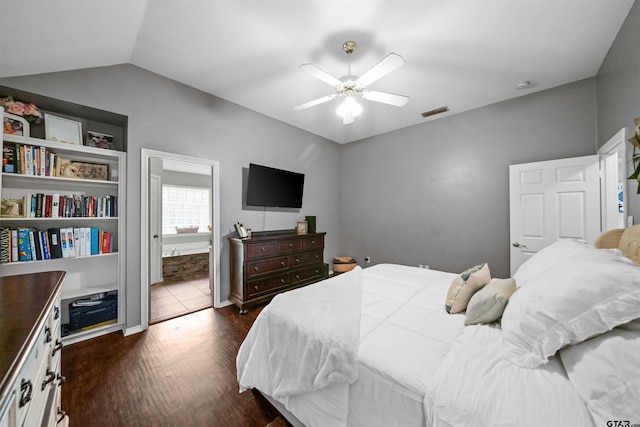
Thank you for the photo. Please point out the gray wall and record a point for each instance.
(167, 116)
(619, 94)
(438, 193)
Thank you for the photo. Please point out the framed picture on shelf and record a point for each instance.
(15, 125)
(62, 130)
(94, 171)
(99, 140)
(302, 227)
(12, 208)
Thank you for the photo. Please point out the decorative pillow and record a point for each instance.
(547, 257)
(587, 294)
(487, 305)
(605, 371)
(465, 285)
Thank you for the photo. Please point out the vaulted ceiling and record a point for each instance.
(459, 54)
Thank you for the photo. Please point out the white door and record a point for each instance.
(155, 230)
(552, 200)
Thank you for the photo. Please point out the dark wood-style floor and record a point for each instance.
(180, 372)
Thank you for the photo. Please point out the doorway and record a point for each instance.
(180, 247)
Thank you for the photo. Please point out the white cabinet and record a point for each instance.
(102, 207)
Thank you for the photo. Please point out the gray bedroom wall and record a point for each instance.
(619, 94)
(167, 116)
(438, 193)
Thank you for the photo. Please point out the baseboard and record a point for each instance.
(134, 330)
(226, 303)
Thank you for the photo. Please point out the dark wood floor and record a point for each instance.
(180, 372)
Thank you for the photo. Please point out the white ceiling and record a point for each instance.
(462, 54)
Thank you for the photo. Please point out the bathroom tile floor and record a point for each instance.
(173, 298)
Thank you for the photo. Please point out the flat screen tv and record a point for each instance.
(274, 187)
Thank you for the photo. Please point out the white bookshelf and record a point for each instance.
(85, 275)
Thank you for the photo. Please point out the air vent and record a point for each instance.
(436, 111)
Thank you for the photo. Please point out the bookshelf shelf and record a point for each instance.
(86, 274)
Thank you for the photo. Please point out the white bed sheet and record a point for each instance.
(477, 386)
(402, 311)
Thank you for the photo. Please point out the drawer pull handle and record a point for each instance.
(313, 242)
(62, 414)
(26, 390)
(61, 379)
(256, 268)
(297, 276)
(57, 347)
(282, 263)
(51, 376)
(297, 260)
(262, 248)
(47, 331)
(282, 281)
(256, 288)
(290, 245)
(56, 311)
(317, 272)
(317, 256)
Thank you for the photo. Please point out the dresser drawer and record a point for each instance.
(288, 246)
(265, 266)
(306, 274)
(313, 242)
(265, 286)
(306, 258)
(262, 249)
(28, 387)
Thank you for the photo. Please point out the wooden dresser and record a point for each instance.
(266, 264)
(30, 348)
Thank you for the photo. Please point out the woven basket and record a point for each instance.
(342, 264)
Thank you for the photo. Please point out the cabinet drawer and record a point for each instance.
(288, 246)
(259, 287)
(262, 249)
(306, 258)
(306, 274)
(271, 265)
(313, 242)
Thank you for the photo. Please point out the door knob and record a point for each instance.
(518, 245)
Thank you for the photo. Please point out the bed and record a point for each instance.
(556, 345)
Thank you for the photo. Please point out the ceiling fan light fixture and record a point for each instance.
(349, 110)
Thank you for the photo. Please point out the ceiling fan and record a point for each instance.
(350, 85)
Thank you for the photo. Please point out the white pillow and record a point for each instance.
(605, 371)
(589, 293)
(552, 255)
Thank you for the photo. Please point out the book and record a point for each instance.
(5, 245)
(76, 241)
(36, 247)
(24, 245)
(48, 205)
(39, 205)
(18, 158)
(43, 161)
(54, 242)
(8, 159)
(44, 241)
(71, 247)
(23, 169)
(63, 243)
(95, 241)
(55, 205)
(87, 241)
(14, 246)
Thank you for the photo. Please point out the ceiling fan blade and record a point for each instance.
(385, 98)
(319, 74)
(315, 102)
(381, 69)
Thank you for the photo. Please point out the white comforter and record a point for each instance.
(305, 339)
